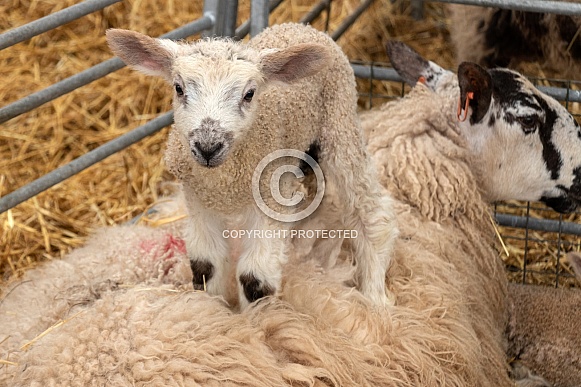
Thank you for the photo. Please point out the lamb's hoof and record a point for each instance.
(255, 289)
(202, 271)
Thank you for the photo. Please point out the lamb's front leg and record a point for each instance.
(259, 269)
(207, 248)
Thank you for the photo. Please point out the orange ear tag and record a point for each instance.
(422, 80)
(469, 96)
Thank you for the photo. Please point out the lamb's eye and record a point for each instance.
(179, 90)
(248, 96)
(528, 123)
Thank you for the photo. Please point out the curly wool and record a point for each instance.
(318, 333)
(423, 161)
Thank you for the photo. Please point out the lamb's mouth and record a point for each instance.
(211, 163)
(210, 156)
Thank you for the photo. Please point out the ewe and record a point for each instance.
(511, 142)
(291, 87)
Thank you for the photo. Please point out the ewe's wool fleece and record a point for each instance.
(422, 160)
(445, 329)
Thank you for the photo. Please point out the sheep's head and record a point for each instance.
(529, 139)
(526, 146)
(216, 83)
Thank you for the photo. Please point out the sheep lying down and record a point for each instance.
(150, 327)
(126, 314)
(522, 145)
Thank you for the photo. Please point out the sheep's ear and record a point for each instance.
(146, 54)
(574, 259)
(412, 67)
(476, 88)
(295, 62)
(406, 61)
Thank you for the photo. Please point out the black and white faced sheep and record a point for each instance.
(525, 145)
(290, 87)
(499, 37)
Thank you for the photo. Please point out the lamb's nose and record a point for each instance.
(208, 151)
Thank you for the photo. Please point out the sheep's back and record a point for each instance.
(423, 162)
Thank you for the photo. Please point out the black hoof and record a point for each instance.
(202, 271)
(253, 288)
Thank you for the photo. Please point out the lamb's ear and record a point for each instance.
(574, 259)
(475, 90)
(295, 62)
(146, 54)
(412, 67)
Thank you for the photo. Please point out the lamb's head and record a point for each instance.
(525, 144)
(216, 83)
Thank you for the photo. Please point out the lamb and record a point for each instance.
(544, 327)
(290, 88)
(498, 37)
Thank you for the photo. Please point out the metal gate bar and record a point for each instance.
(556, 7)
(83, 162)
(37, 27)
(83, 78)
(389, 74)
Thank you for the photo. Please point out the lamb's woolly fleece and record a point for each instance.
(443, 329)
(493, 37)
(325, 112)
(543, 331)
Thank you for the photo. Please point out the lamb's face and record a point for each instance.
(527, 146)
(214, 104)
(215, 83)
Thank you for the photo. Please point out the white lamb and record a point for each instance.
(291, 87)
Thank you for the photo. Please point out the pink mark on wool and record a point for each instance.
(165, 248)
(164, 251)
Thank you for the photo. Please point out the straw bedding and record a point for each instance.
(124, 185)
